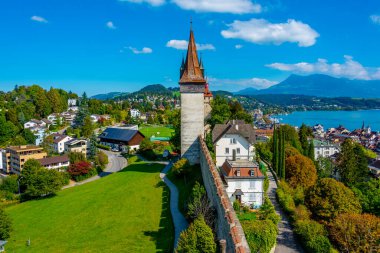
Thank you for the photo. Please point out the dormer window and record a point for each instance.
(238, 173)
(232, 141)
(252, 173)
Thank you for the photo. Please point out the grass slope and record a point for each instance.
(124, 212)
(163, 131)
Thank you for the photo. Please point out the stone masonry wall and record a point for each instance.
(228, 225)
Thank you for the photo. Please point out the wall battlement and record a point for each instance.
(228, 225)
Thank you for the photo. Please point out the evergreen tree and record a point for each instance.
(88, 128)
(311, 150)
(283, 156)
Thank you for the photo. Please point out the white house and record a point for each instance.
(54, 118)
(72, 102)
(59, 141)
(235, 139)
(245, 182)
(135, 113)
(55, 162)
(44, 123)
(39, 133)
(324, 149)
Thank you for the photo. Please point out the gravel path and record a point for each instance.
(286, 241)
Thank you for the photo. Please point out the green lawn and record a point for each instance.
(158, 131)
(124, 212)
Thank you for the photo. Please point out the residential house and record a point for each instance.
(244, 182)
(55, 162)
(16, 156)
(55, 118)
(235, 139)
(121, 138)
(374, 168)
(77, 145)
(135, 113)
(44, 123)
(39, 133)
(59, 141)
(324, 149)
(68, 117)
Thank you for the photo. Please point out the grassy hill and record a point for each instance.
(124, 212)
(157, 131)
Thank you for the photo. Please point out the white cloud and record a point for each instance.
(375, 19)
(110, 25)
(238, 46)
(349, 69)
(261, 31)
(151, 2)
(238, 84)
(182, 45)
(39, 19)
(220, 6)
(144, 50)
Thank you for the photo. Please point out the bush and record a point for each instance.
(356, 232)
(301, 213)
(267, 212)
(181, 167)
(329, 198)
(236, 206)
(76, 157)
(313, 236)
(266, 183)
(286, 200)
(197, 238)
(9, 184)
(5, 225)
(260, 234)
(81, 170)
(101, 160)
(101, 146)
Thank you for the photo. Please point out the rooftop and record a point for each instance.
(25, 148)
(119, 134)
(53, 160)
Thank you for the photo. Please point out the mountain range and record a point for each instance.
(321, 86)
(312, 85)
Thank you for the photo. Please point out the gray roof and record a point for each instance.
(234, 127)
(119, 134)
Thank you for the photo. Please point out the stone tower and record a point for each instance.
(207, 101)
(192, 87)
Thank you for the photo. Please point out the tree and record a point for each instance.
(300, 171)
(220, 111)
(76, 157)
(329, 198)
(199, 205)
(352, 163)
(368, 194)
(325, 167)
(356, 232)
(29, 137)
(197, 238)
(7, 130)
(79, 169)
(37, 181)
(55, 100)
(9, 184)
(260, 234)
(87, 129)
(5, 225)
(304, 133)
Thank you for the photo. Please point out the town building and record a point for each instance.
(324, 149)
(121, 138)
(44, 123)
(55, 162)
(39, 133)
(245, 182)
(135, 113)
(59, 141)
(55, 118)
(15, 157)
(233, 140)
(77, 145)
(192, 87)
(68, 117)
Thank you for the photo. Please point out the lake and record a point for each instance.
(349, 119)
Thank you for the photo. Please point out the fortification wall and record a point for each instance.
(228, 225)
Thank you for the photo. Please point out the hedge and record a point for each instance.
(103, 146)
(313, 236)
(260, 234)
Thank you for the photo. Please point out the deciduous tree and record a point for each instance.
(300, 171)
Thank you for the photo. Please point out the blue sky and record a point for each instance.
(101, 46)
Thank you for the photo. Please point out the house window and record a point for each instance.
(233, 141)
(238, 151)
(238, 173)
(252, 173)
(251, 197)
(227, 150)
(251, 184)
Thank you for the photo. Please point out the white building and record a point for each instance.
(55, 162)
(135, 113)
(233, 140)
(59, 141)
(39, 133)
(324, 149)
(72, 102)
(44, 123)
(54, 118)
(245, 182)
(2, 152)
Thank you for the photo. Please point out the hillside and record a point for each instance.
(125, 210)
(322, 86)
(110, 95)
(154, 89)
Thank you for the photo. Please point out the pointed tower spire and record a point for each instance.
(192, 72)
(182, 68)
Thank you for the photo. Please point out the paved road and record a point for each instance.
(116, 162)
(180, 223)
(286, 241)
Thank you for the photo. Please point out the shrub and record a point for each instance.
(236, 206)
(299, 196)
(197, 238)
(199, 205)
(260, 234)
(5, 225)
(301, 213)
(313, 236)
(267, 211)
(81, 170)
(101, 160)
(181, 167)
(300, 171)
(329, 198)
(101, 146)
(266, 183)
(286, 200)
(356, 232)
(76, 157)
(9, 184)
